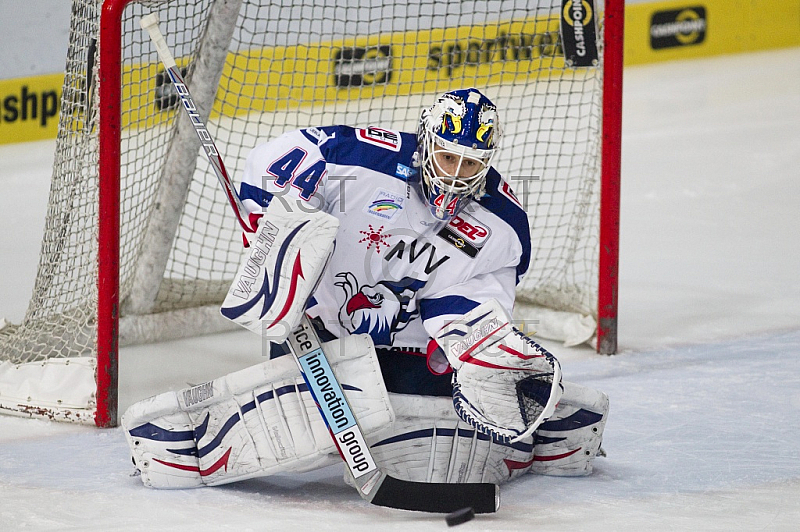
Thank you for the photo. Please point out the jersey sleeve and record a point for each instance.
(436, 310)
(503, 203)
(290, 168)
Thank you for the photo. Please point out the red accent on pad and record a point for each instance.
(433, 345)
(517, 353)
(475, 361)
(555, 456)
(222, 462)
(467, 358)
(297, 271)
(513, 464)
(178, 466)
(466, 354)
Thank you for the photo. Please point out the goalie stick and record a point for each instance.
(373, 484)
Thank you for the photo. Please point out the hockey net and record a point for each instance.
(258, 69)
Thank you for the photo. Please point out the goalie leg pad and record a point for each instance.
(429, 443)
(568, 442)
(255, 422)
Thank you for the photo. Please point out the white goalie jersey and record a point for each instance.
(396, 273)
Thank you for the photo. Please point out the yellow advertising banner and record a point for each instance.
(423, 61)
(277, 78)
(685, 29)
(29, 108)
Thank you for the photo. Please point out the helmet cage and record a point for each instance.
(446, 191)
(462, 185)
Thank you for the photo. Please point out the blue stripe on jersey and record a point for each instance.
(430, 308)
(511, 213)
(343, 147)
(260, 196)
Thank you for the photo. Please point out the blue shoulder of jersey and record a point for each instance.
(501, 201)
(382, 150)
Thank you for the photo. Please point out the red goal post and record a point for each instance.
(611, 173)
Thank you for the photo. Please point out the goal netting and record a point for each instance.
(257, 69)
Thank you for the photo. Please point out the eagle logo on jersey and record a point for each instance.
(452, 110)
(487, 117)
(380, 310)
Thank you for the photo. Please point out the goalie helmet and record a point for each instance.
(457, 140)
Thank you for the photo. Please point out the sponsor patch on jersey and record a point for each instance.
(466, 233)
(377, 136)
(384, 204)
(404, 172)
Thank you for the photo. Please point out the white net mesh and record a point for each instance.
(355, 62)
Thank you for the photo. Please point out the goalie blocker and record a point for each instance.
(285, 261)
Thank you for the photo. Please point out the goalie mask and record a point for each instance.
(456, 142)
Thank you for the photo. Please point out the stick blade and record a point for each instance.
(437, 497)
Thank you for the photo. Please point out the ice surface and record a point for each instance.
(705, 394)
